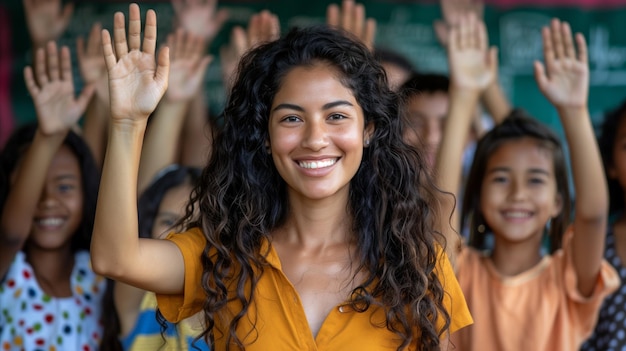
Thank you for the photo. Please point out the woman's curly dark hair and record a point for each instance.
(12, 153)
(242, 197)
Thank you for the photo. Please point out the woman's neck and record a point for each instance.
(316, 223)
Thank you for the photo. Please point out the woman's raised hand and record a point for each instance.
(136, 81)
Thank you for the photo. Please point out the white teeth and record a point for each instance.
(50, 221)
(517, 214)
(317, 164)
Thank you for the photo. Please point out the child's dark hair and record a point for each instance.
(608, 135)
(421, 83)
(516, 126)
(383, 54)
(16, 147)
(150, 199)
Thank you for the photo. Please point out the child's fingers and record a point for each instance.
(370, 32)
(557, 39)
(548, 51)
(41, 75)
(150, 32)
(358, 20)
(332, 15)
(94, 41)
(107, 50)
(463, 39)
(472, 31)
(347, 8)
(53, 61)
(134, 27)
(540, 75)
(66, 65)
(482, 40)
(568, 43)
(29, 79)
(119, 35)
(582, 48)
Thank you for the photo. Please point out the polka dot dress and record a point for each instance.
(31, 320)
(610, 332)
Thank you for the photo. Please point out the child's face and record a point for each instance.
(618, 168)
(171, 209)
(519, 191)
(60, 208)
(316, 130)
(426, 114)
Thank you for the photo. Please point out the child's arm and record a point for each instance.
(93, 71)
(136, 84)
(52, 89)
(187, 67)
(564, 80)
(493, 97)
(472, 69)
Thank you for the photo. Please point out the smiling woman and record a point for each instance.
(315, 227)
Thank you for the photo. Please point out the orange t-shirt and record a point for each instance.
(540, 309)
(276, 318)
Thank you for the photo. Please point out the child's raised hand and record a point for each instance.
(351, 18)
(188, 65)
(262, 27)
(52, 89)
(47, 19)
(452, 10)
(200, 18)
(91, 62)
(564, 79)
(136, 81)
(473, 65)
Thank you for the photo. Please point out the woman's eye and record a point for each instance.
(336, 116)
(536, 181)
(291, 119)
(499, 179)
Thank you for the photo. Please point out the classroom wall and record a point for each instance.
(405, 26)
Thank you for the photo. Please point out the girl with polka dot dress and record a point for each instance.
(50, 299)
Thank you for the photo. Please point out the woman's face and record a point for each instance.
(171, 209)
(316, 132)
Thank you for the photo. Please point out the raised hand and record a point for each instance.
(473, 65)
(262, 27)
(91, 62)
(200, 18)
(452, 10)
(564, 78)
(351, 18)
(188, 65)
(46, 19)
(136, 81)
(52, 89)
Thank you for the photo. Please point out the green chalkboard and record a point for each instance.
(403, 26)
